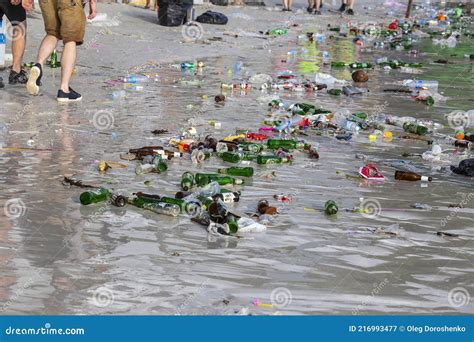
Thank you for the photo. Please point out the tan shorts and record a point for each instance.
(64, 19)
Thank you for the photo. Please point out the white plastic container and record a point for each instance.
(3, 42)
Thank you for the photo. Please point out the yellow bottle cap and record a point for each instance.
(372, 137)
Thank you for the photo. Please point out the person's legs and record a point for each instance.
(310, 6)
(68, 60)
(343, 6)
(318, 6)
(73, 25)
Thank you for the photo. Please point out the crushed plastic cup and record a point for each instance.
(372, 137)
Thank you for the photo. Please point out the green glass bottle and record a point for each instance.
(160, 164)
(232, 223)
(285, 143)
(249, 156)
(305, 108)
(237, 171)
(361, 115)
(156, 206)
(206, 178)
(360, 65)
(429, 101)
(414, 128)
(266, 160)
(335, 92)
(231, 157)
(330, 207)
(187, 181)
(179, 202)
(96, 196)
(338, 64)
(54, 59)
(251, 147)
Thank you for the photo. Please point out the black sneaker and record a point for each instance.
(342, 8)
(72, 96)
(350, 11)
(1, 83)
(34, 81)
(310, 9)
(18, 77)
(317, 12)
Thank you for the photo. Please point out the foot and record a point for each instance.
(310, 9)
(342, 8)
(34, 81)
(72, 96)
(18, 77)
(317, 12)
(1, 83)
(350, 11)
(147, 7)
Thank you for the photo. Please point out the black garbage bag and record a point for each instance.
(466, 168)
(220, 2)
(173, 12)
(211, 17)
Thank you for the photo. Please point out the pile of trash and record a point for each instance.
(209, 199)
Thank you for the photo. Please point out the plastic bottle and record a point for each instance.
(419, 84)
(135, 79)
(3, 42)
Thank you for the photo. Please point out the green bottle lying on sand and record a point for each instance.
(206, 178)
(237, 171)
(156, 206)
(414, 128)
(187, 181)
(95, 196)
(285, 143)
(267, 160)
(330, 208)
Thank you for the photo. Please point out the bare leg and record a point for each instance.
(46, 48)
(290, 2)
(318, 4)
(18, 45)
(147, 5)
(68, 60)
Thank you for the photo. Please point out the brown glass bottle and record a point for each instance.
(411, 176)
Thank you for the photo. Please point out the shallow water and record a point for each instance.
(58, 257)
